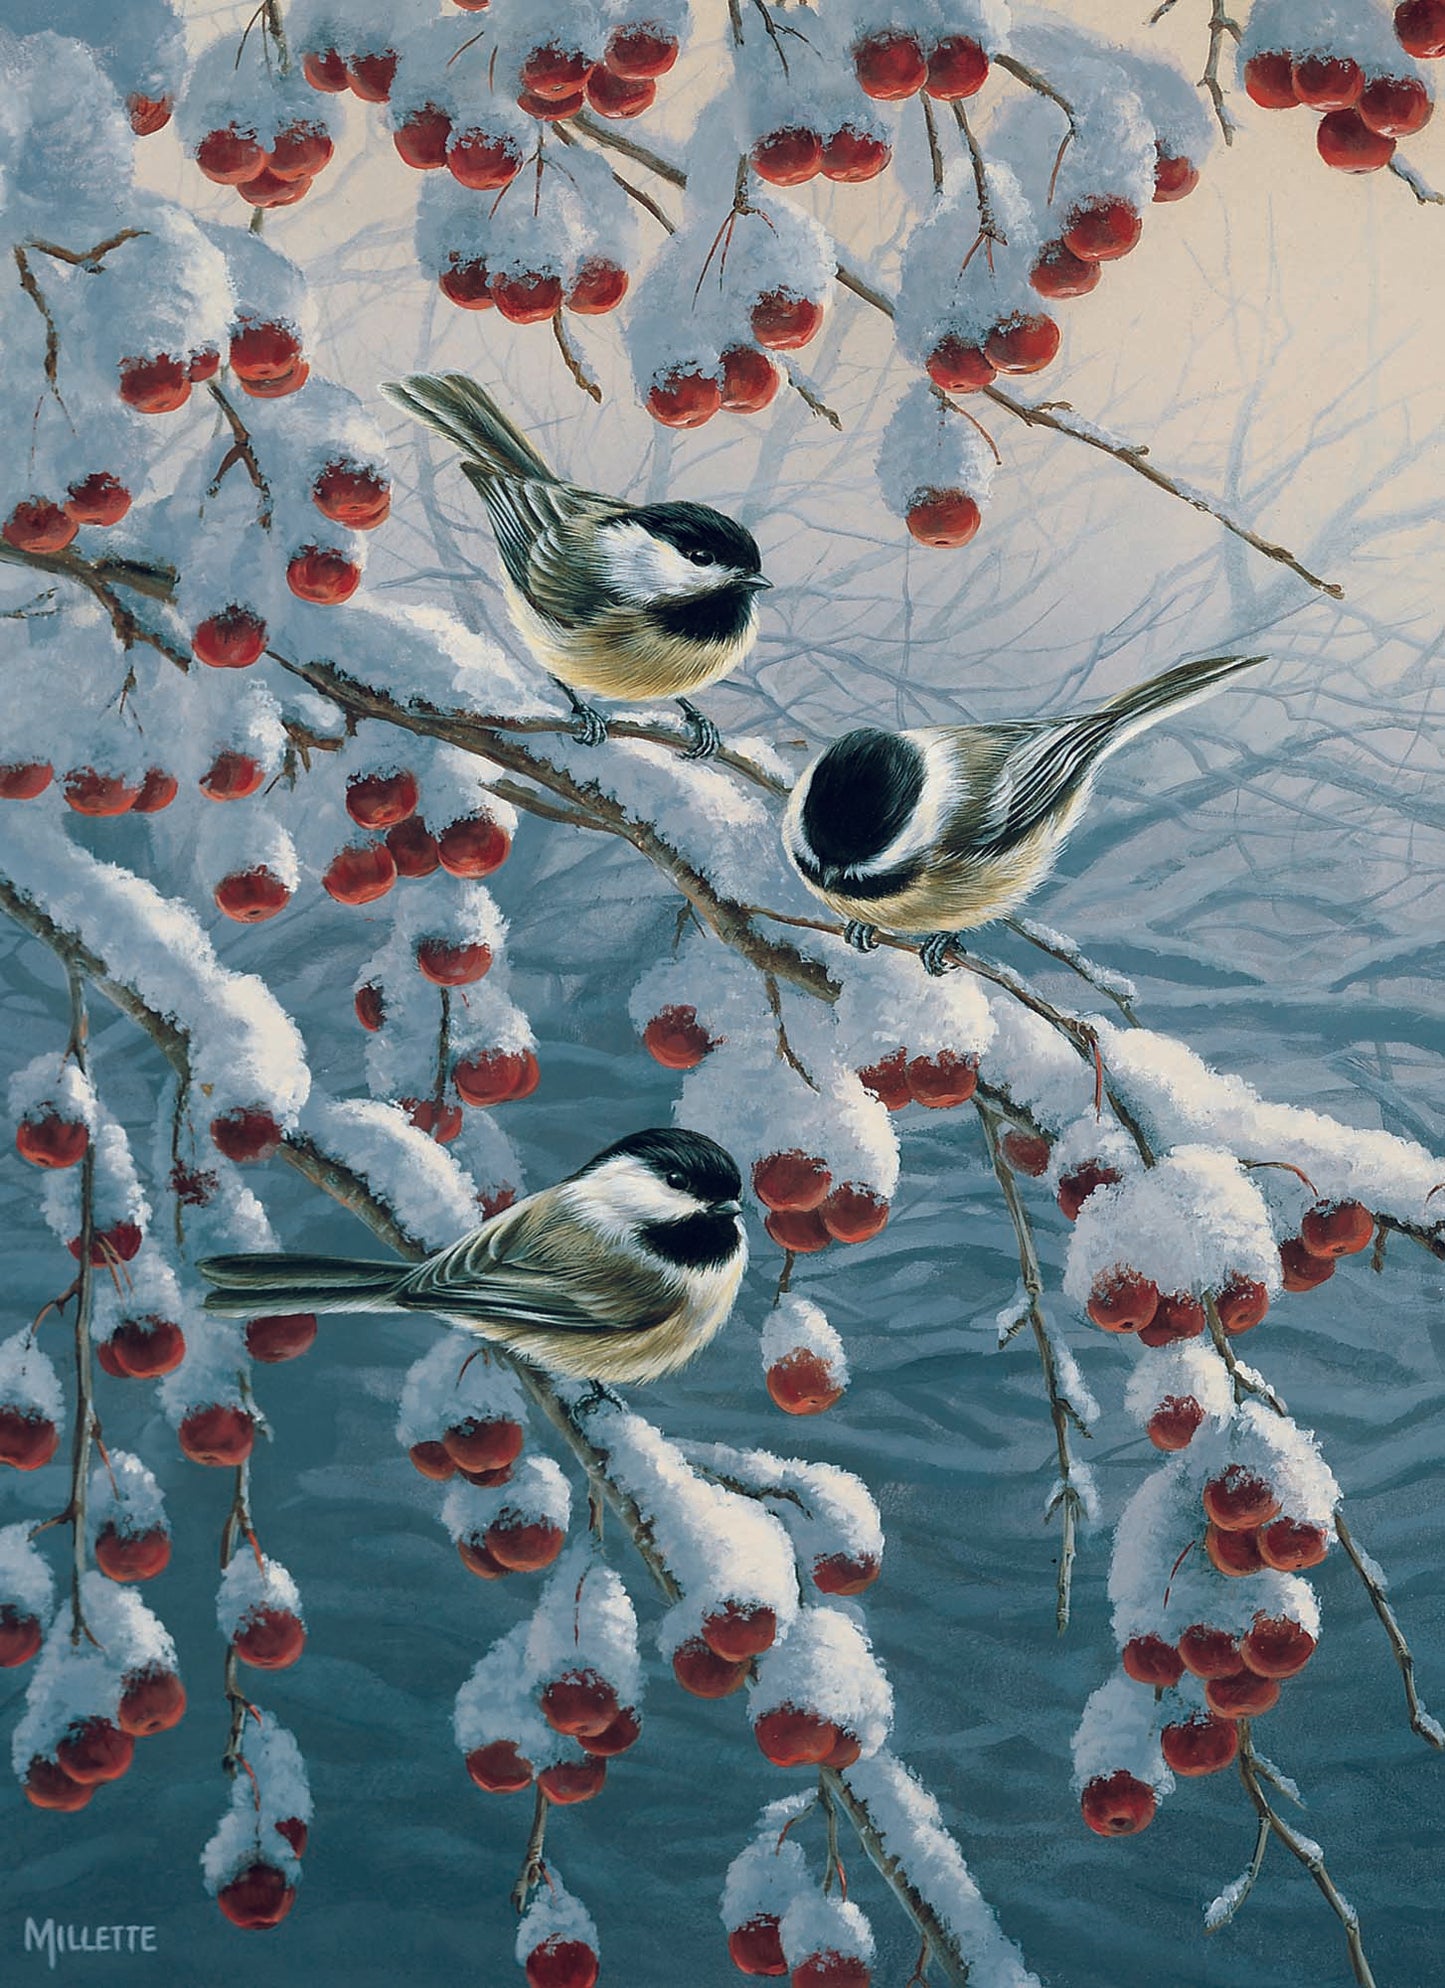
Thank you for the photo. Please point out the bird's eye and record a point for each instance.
(676, 1180)
(699, 557)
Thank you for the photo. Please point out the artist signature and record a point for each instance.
(53, 1939)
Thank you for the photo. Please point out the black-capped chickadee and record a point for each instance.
(633, 601)
(621, 1272)
(941, 829)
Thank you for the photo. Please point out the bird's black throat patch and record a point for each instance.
(862, 793)
(695, 1242)
(722, 615)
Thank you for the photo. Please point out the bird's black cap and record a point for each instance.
(705, 1169)
(863, 790)
(698, 528)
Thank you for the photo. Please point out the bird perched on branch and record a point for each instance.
(621, 1272)
(632, 601)
(941, 829)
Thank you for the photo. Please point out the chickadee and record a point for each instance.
(941, 829)
(621, 1272)
(634, 601)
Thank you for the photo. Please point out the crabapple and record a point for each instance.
(157, 791)
(154, 386)
(959, 366)
(117, 1244)
(1302, 1269)
(25, 780)
(624, 1732)
(269, 189)
(322, 576)
(1024, 342)
(559, 1963)
(152, 1700)
(378, 800)
(739, 1630)
(489, 1443)
(97, 499)
(20, 1636)
(529, 297)
(269, 1638)
(943, 518)
(1241, 1304)
(477, 1558)
(802, 1383)
(473, 846)
(1239, 1499)
(233, 639)
(889, 65)
(1396, 106)
(1081, 1181)
(147, 114)
(37, 525)
(1291, 1545)
(1175, 178)
(145, 1348)
(551, 110)
(1201, 1744)
(248, 896)
(229, 156)
(784, 321)
(1277, 1647)
(788, 157)
(263, 350)
(571, 1781)
(246, 1134)
(1244, 1696)
(887, 1080)
(484, 160)
(554, 71)
(640, 53)
(756, 1947)
(371, 76)
(95, 1750)
(1026, 1152)
(295, 1832)
(791, 1182)
(851, 156)
(499, 1768)
(1178, 1315)
(1103, 230)
(432, 1461)
(204, 365)
(801, 1232)
(522, 1546)
(957, 67)
(48, 1786)
(218, 1435)
(750, 380)
(1117, 1804)
(1269, 81)
(51, 1141)
(300, 152)
(351, 494)
(99, 794)
(1337, 1228)
(27, 1440)
(421, 140)
(125, 1556)
(277, 1336)
(231, 776)
(844, 1573)
(1420, 27)
(449, 965)
(682, 398)
(1234, 1553)
(599, 286)
(620, 96)
(325, 69)
(360, 873)
(579, 1702)
(792, 1736)
(1347, 143)
(289, 382)
(1148, 1659)
(257, 1898)
(1207, 1652)
(1122, 1300)
(830, 1969)
(1174, 1422)
(1058, 272)
(704, 1673)
(496, 1078)
(1328, 82)
(854, 1214)
(413, 848)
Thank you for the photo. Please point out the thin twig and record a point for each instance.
(1220, 25)
(1247, 1882)
(89, 259)
(242, 450)
(811, 401)
(785, 1048)
(36, 295)
(85, 1419)
(1069, 955)
(989, 231)
(833, 1869)
(1421, 1721)
(534, 1867)
(1417, 183)
(895, 1874)
(237, 1527)
(572, 359)
(100, 578)
(1308, 1853)
(935, 156)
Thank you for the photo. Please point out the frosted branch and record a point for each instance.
(1422, 1722)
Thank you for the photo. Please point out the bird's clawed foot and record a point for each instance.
(591, 725)
(934, 951)
(598, 1393)
(705, 736)
(861, 937)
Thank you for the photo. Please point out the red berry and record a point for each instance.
(1290, 1545)
(784, 321)
(157, 791)
(300, 152)
(1175, 178)
(120, 1243)
(496, 1077)
(94, 1750)
(573, 1781)
(231, 640)
(448, 965)
(676, 1039)
(960, 367)
(1023, 343)
(434, 1116)
(1118, 1805)
(624, 1732)
(295, 1832)
(269, 189)
(802, 1383)
(322, 576)
(97, 499)
(371, 76)
(529, 297)
(1326, 82)
(1148, 1659)
(269, 1638)
(51, 1141)
(478, 1559)
(619, 96)
(132, 1556)
(559, 1963)
(1201, 1744)
(218, 1436)
(499, 1768)
(852, 156)
(788, 157)
(683, 399)
(551, 110)
(257, 1898)
(351, 494)
(483, 159)
(263, 350)
(1337, 1228)
(756, 1947)
(943, 518)
(740, 1630)
(1026, 1152)
(1233, 1553)
(246, 1134)
(556, 72)
(277, 1336)
(1244, 1696)
(377, 800)
(1239, 1499)
(1420, 27)
(1277, 1646)
(1396, 106)
(830, 1969)
(1122, 1300)
(48, 1786)
(800, 1231)
(230, 156)
(20, 1636)
(1208, 1652)
(1269, 80)
(887, 1080)
(99, 794)
(598, 286)
(413, 848)
(473, 846)
(792, 1736)
(1302, 1269)
(845, 1573)
(702, 1672)
(289, 382)
(25, 780)
(1103, 230)
(232, 776)
(145, 1348)
(152, 1701)
(1347, 143)
(324, 69)
(640, 52)
(432, 1461)
(791, 1182)
(248, 896)
(579, 1702)
(1058, 272)
(475, 1443)
(1241, 1304)
(147, 114)
(957, 67)
(889, 65)
(154, 386)
(943, 1080)
(1179, 1315)
(1174, 1422)
(27, 1440)
(422, 139)
(37, 525)
(1080, 1182)
(360, 874)
(523, 1546)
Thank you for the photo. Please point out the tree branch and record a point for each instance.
(1421, 1721)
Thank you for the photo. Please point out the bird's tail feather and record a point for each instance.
(1190, 683)
(457, 408)
(245, 1285)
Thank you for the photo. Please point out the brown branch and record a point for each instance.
(86, 1425)
(1220, 25)
(895, 1875)
(1417, 183)
(1261, 1841)
(100, 578)
(1308, 1853)
(236, 1528)
(1032, 80)
(534, 1869)
(1421, 1721)
(52, 332)
(811, 401)
(1062, 1412)
(90, 259)
(785, 1048)
(242, 450)
(935, 156)
(1070, 956)
(572, 360)
(988, 228)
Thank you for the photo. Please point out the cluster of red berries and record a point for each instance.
(940, 1081)
(806, 1211)
(45, 526)
(277, 175)
(95, 1750)
(584, 1706)
(1364, 116)
(482, 1450)
(893, 64)
(781, 319)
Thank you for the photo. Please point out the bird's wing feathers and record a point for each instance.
(544, 534)
(537, 1265)
(1043, 766)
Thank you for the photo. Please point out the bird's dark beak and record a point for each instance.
(757, 583)
(727, 1207)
